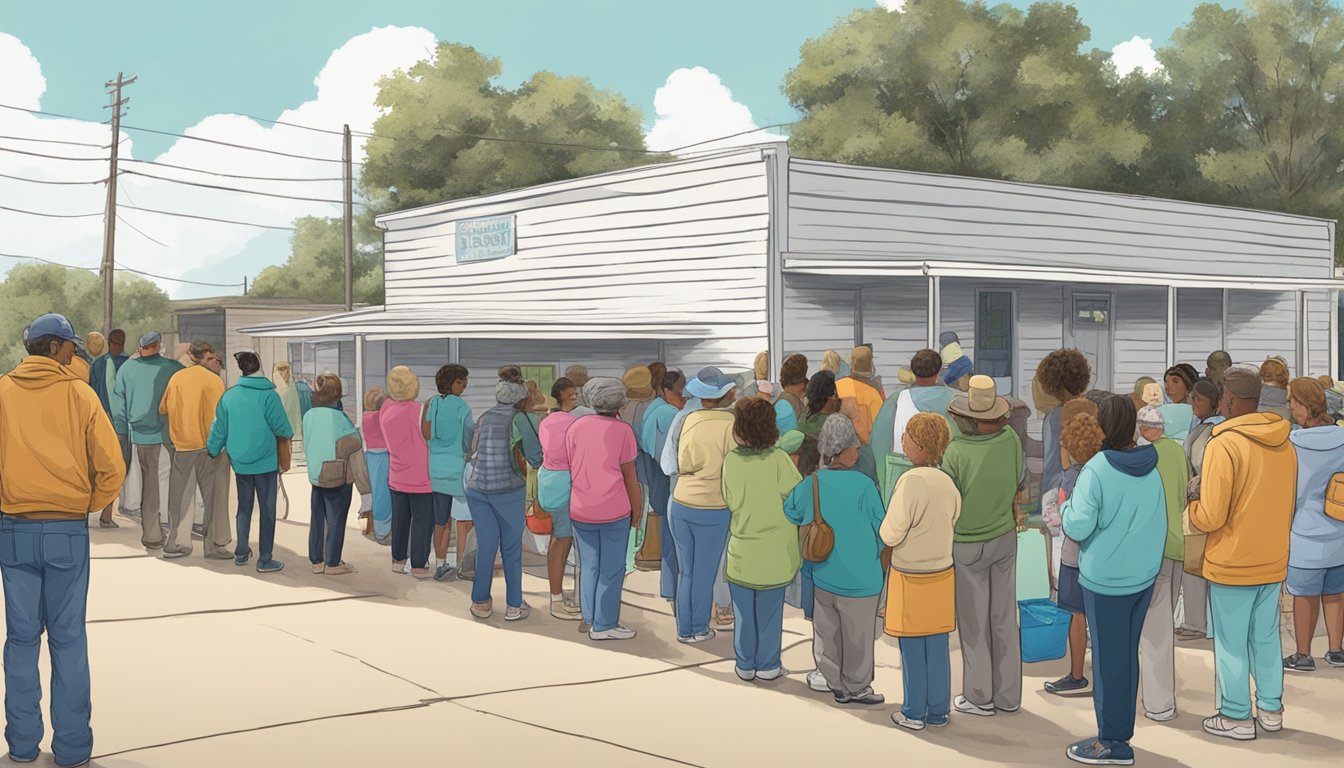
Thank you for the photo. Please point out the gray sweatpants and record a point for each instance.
(991, 644)
(1194, 602)
(1157, 643)
(193, 470)
(151, 502)
(843, 635)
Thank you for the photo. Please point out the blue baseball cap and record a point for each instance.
(709, 384)
(52, 325)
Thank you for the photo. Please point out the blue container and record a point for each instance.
(1045, 630)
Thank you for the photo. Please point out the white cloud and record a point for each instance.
(205, 251)
(1135, 53)
(694, 106)
(892, 5)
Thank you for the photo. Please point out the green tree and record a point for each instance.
(31, 290)
(950, 86)
(315, 269)
(1261, 89)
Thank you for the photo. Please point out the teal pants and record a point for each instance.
(1246, 645)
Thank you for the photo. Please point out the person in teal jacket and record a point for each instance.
(136, 396)
(849, 581)
(1118, 515)
(448, 427)
(331, 441)
(249, 421)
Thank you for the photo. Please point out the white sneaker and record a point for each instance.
(519, 613)
(961, 704)
(1270, 721)
(698, 638)
(905, 722)
(817, 681)
(772, 674)
(1240, 730)
(1161, 717)
(745, 675)
(617, 632)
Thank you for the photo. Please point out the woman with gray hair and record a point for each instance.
(605, 502)
(848, 582)
(495, 494)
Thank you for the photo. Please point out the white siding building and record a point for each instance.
(708, 261)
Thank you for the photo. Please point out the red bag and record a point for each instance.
(538, 521)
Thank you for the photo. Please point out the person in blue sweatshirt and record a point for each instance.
(1118, 516)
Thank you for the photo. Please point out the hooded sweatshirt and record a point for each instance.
(248, 421)
(1317, 540)
(189, 402)
(136, 397)
(987, 470)
(1247, 496)
(1118, 515)
(58, 451)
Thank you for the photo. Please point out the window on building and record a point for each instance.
(544, 375)
(994, 334)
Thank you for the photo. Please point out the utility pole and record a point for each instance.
(349, 224)
(110, 215)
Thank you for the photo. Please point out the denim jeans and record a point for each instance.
(264, 489)
(667, 586)
(701, 538)
(602, 549)
(326, 526)
(378, 463)
(1115, 624)
(45, 569)
(1246, 645)
(927, 669)
(413, 525)
(498, 518)
(758, 629)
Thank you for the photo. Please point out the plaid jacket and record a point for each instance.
(493, 470)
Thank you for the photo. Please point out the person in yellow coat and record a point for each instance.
(921, 604)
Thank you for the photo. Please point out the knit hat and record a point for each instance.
(837, 435)
(638, 382)
(1242, 383)
(510, 393)
(1149, 416)
(861, 361)
(605, 394)
(947, 337)
(402, 384)
(790, 441)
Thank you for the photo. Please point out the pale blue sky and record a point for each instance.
(260, 57)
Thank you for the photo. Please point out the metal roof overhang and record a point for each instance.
(840, 266)
(382, 324)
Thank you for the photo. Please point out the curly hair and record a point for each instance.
(1081, 438)
(929, 431)
(1273, 371)
(926, 363)
(809, 456)
(1064, 373)
(1311, 395)
(754, 424)
(447, 376)
(793, 371)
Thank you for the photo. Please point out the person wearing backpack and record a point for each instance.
(848, 575)
(1316, 545)
(334, 453)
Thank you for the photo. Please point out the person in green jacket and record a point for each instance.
(1157, 644)
(763, 554)
(136, 396)
(249, 423)
(986, 463)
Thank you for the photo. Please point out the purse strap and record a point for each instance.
(816, 499)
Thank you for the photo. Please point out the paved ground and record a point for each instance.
(200, 663)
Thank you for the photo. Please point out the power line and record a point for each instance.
(203, 218)
(232, 175)
(235, 146)
(231, 189)
(291, 125)
(508, 140)
(119, 269)
(48, 181)
(731, 136)
(56, 141)
(141, 233)
(54, 157)
(51, 215)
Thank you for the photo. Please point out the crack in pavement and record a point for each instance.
(370, 665)
(209, 611)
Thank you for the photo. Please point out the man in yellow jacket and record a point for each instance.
(59, 461)
(189, 402)
(1244, 501)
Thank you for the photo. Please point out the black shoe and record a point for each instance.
(867, 698)
(1065, 684)
(1299, 662)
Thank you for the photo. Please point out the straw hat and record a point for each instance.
(981, 402)
(638, 382)
(402, 384)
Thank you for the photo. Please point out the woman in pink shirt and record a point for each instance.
(408, 473)
(603, 504)
(375, 455)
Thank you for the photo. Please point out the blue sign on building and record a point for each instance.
(485, 239)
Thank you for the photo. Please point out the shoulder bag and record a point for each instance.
(1334, 497)
(820, 538)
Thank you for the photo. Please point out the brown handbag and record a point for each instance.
(1334, 497)
(282, 453)
(820, 538)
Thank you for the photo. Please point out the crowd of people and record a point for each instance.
(1180, 509)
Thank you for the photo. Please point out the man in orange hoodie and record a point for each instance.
(1250, 470)
(61, 461)
(189, 402)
